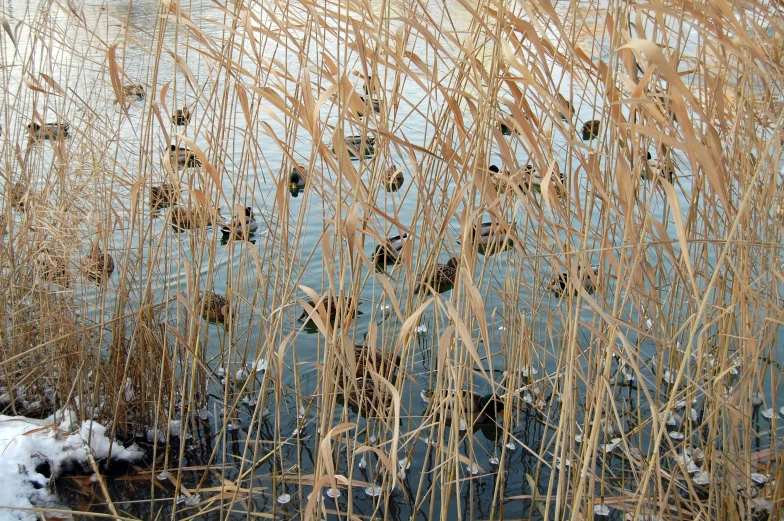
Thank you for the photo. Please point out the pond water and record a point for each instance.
(295, 234)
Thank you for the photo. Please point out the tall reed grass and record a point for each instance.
(681, 326)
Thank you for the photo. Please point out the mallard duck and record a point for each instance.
(184, 218)
(354, 145)
(657, 168)
(134, 91)
(473, 408)
(389, 251)
(441, 278)
(214, 307)
(507, 128)
(164, 195)
(17, 196)
(383, 363)
(297, 181)
(393, 179)
(370, 101)
(331, 304)
(181, 116)
(97, 265)
(241, 225)
(569, 112)
(183, 157)
(490, 236)
(560, 282)
(591, 129)
(52, 131)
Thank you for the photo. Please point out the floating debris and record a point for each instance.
(298, 432)
(628, 373)
(609, 447)
(462, 425)
(601, 510)
(385, 310)
(128, 393)
(702, 478)
(669, 377)
(259, 366)
(425, 395)
(234, 425)
(174, 428)
(756, 399)
(494, 461)
(511, 446)
(567, 463)
(676, 435)
(529, 371)
(373, 491)
(362, 462)
(284, 499)
(301, 412)
(420, 330)
(203, 413)
(334, 493)
(404, 464)
(473, 468)
(188, 501)
(373, 440)
(163, 476)
(759, 479)
(220, 372)
(241, 375)
(692, 468)
(578, 438)
(502, 328)
(768, 413)
(680, 405)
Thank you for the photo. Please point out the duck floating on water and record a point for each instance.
(591, 129)
(52, 266)
(355, 146)
(393, 180)
(182, 156)
(52, 131)
(657, 168)
(18, 196)
(134, 91)
(97, 265)
(297, 181)
(441, 278)
(181, 117)
(389, 251)
(491, 237)
(472, 408)
(241, 225)
(186, 218)
(330, 304)
(164, 195)
(560, 283)
(372, 102)
(214, 307)
(569, 112)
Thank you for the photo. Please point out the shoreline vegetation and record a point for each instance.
(394, 260)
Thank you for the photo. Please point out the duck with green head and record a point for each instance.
(297, 181)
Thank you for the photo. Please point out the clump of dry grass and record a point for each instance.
(659, 361)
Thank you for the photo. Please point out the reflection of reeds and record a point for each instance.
(643, 384)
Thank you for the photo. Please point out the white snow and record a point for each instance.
(57, 442)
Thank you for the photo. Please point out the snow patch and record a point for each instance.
(57, 442)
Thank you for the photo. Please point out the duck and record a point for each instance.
(568, 104)
(164, 195)
(241, 225)
(389, 251)
(181, 117)
(330, 304)
(367, 357)
(491, 236)
(591, 129)
(393, 179)
(657, 168)
(134, 91)
(18, 196)
(297, 181)
(185, 218)
(53, 131)
(96, 265)
(482, 409)
(214, 307)
(441, 279)
(354, 144)
(507, 129)
(560, 282)
(373, 102)
(182, 156)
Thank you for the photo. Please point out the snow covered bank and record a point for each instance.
(51, 445)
